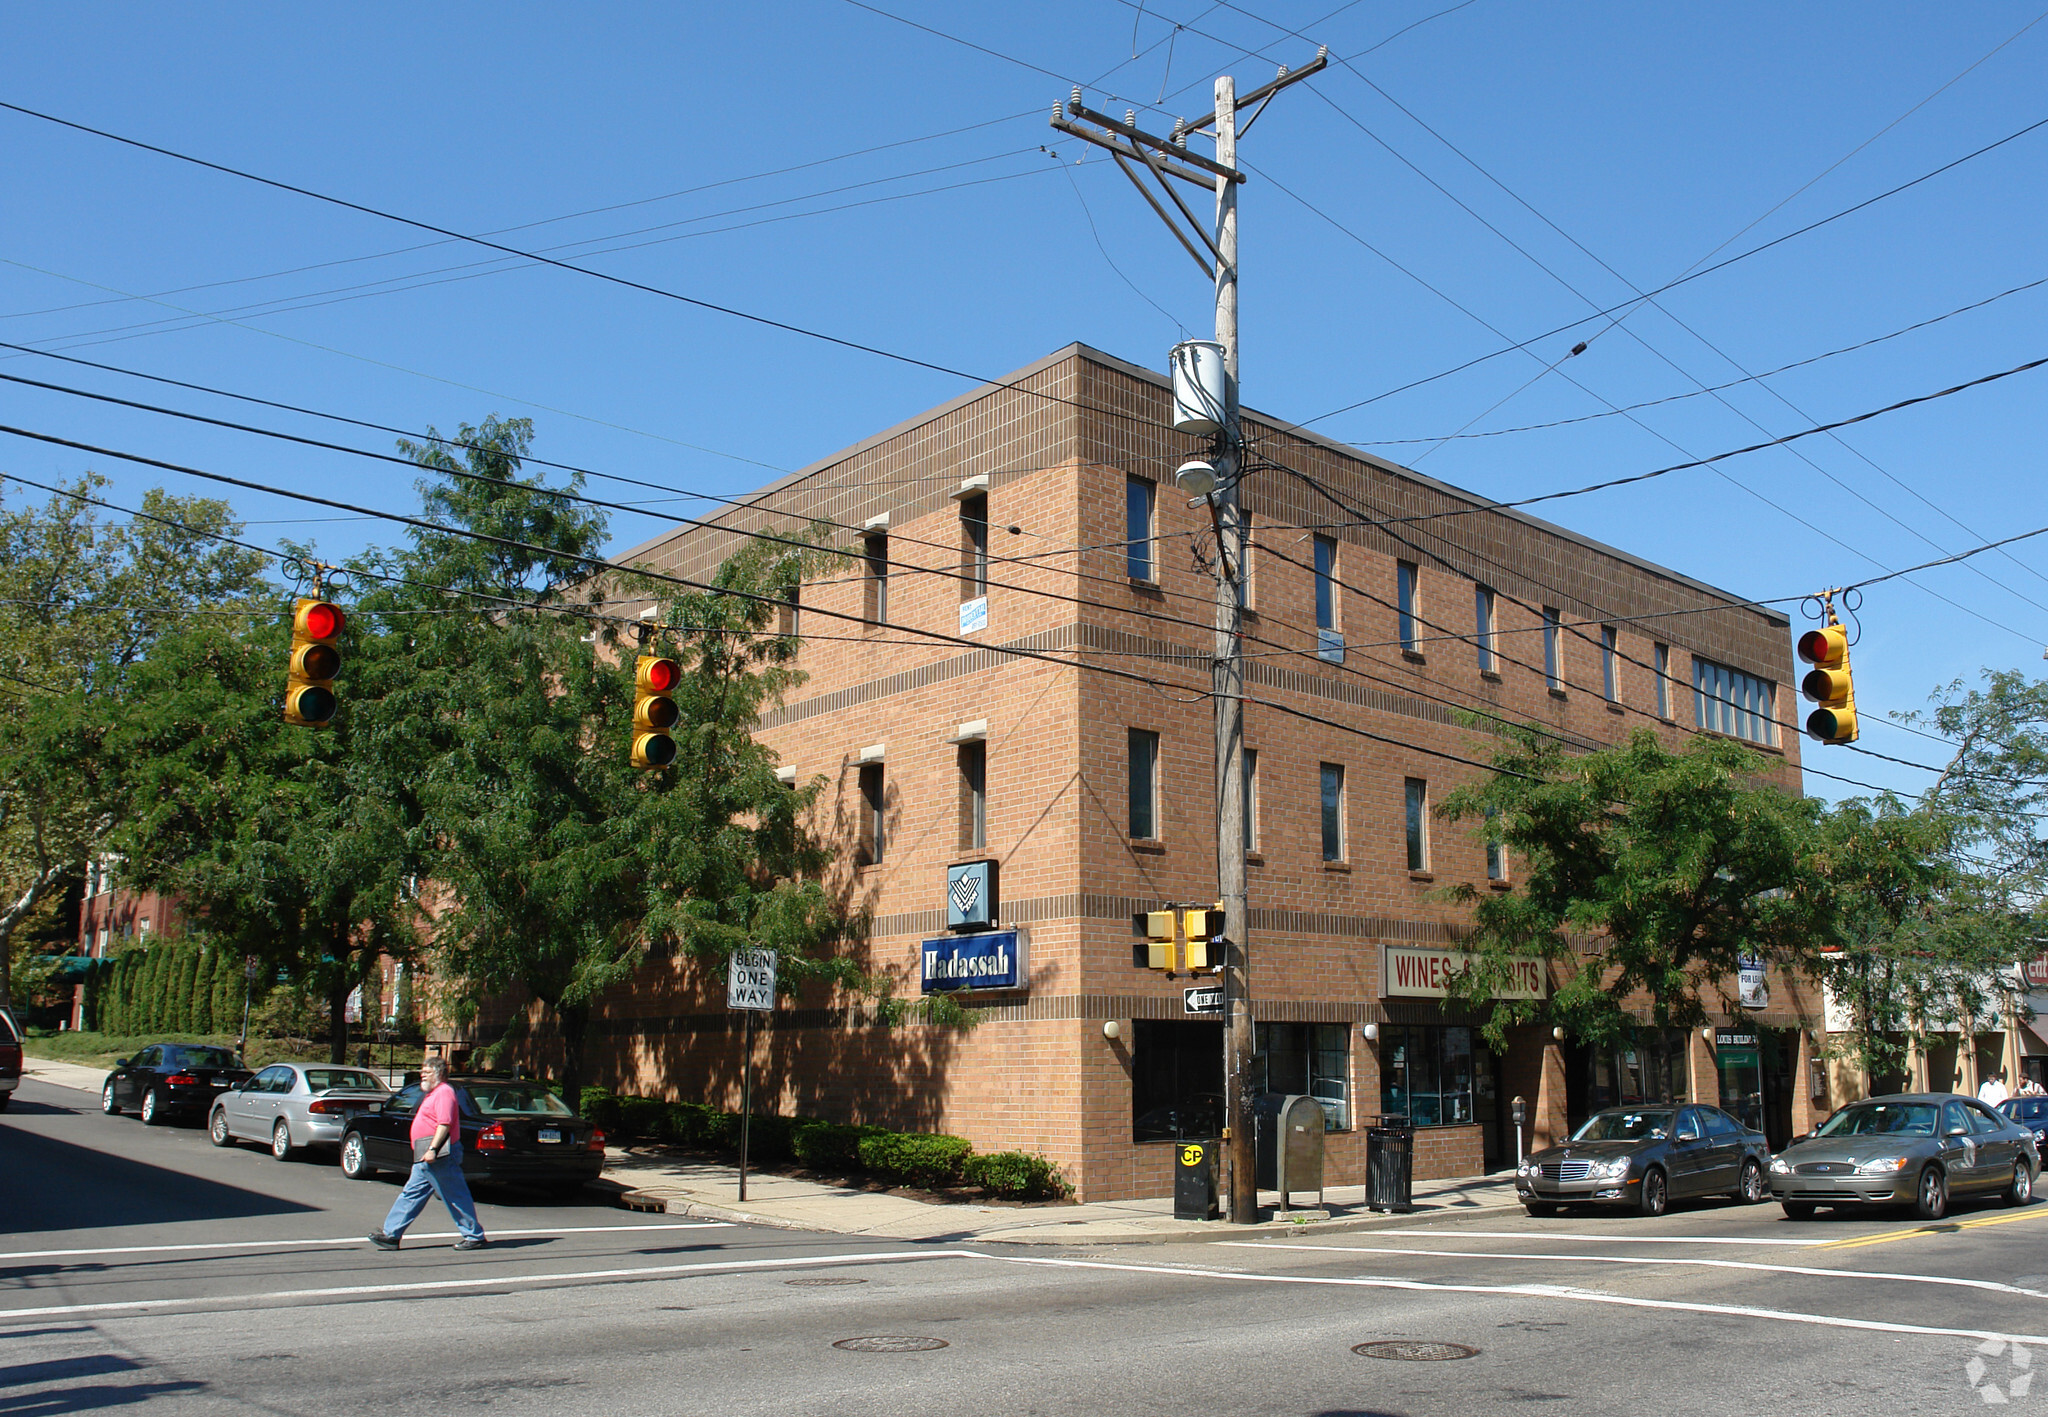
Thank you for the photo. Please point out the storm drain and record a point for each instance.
(820, 1281)
(890, 1343)
(1411, 1350)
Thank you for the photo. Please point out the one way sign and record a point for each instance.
(1203, 999)
(750, 982)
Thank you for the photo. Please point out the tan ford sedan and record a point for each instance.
(1910, 1149)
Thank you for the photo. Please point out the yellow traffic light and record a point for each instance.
(1205, 930)
(1159, 929)
(1829, 684)
(654, 712)
(309, 699)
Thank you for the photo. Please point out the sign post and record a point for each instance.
(750, 987)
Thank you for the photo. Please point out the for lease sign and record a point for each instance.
(1412, 972)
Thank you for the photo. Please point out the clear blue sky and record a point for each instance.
(1650, 136)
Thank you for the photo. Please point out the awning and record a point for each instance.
(72, 968)
(2033, 1039)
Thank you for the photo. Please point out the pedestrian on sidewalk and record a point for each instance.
(437, 1165)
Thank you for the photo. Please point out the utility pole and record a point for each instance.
(1218, 481)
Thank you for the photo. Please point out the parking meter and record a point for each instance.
(1519, 1109)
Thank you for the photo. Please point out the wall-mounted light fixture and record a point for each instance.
(1371, 1032)
(1112, 1030)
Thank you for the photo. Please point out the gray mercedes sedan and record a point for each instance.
(1646, 1157)
(1910, 1149)
(295, 1105)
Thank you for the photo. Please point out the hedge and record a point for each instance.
(927, 1160)
(1016, 1176)
(830, 1146)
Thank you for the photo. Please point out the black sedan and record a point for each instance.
(1908, 1149)
(167, 1081)
(1645, 1158)
(2031, 1113)
(514, 1132)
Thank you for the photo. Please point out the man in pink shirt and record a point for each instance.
(437, 1165)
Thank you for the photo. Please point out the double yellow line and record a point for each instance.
(1949, 1228)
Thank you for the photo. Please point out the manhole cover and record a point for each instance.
(1414, 1350)
(890, 1343)
(820, 1281)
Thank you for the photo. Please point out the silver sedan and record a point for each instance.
(295, 1105)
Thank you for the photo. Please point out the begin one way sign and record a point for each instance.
(750, 982)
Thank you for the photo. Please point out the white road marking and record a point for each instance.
(1539, 1291)
(487, 1281)
(1991, 1285)
(1606, 1239)
(7, 1255)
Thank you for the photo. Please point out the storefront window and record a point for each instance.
(1426, 1074)
(1311, 1058)
(1649, 1067)
(1176, 1080)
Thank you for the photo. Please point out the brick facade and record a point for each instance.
(1052, 449)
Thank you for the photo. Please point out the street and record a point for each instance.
(142, 1265)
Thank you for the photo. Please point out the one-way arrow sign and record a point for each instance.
(1203, 999)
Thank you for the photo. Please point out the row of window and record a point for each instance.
(876, 566)
(971, 766)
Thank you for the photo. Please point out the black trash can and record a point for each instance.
(1390, 1166)
(1194, 1180)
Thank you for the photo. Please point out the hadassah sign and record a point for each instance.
(1408, 972)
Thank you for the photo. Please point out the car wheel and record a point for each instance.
(355, 1158)
(2020, 1189)
(1752, 1190)
(281, 1140)
(1932, 1201)
(1539, 1209)
(1655, 1196)
(217, 1128)
(107, 1103)
(1799, 1210)
(152, 1109)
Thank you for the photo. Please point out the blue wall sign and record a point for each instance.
(994, 960)
(972, 900)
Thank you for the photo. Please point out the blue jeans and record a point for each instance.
(442, 1178)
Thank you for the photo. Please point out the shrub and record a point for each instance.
(641, 1118)
(829, 1146)
(1016, 1176)
(601, 1106)
(928, 1160)
(768, 1138)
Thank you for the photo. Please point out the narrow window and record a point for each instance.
(1326, 583)
(1418, 824)
(1483, 629)
(973, 796)
(1607, 664)
(875, 551)
(1244, 571)
(1138, 529)
(873, 833)
(1251, 799)
(1663, 677)
(1144, 755)
(788, 613)
(973, 547)
(1553, 672)
(1333, 812)
(1496, 854)
(1405, 599)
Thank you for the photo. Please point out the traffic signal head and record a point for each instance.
(1205, 933)
(1828, 684)
(309, 699)
(654, 712)
(1159, 930)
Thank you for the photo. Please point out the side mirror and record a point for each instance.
(120, 1062)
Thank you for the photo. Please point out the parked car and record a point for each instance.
(294, 1105)
(1645, 1158)
(1913, 1149)
(10, 1058)
(167, 1081)
(515, 1131)
(2031, 1113)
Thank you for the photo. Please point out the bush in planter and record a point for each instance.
(928, 1160)
(830, 1146)
(1016, 1176)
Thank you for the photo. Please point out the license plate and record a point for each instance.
(550, 1134)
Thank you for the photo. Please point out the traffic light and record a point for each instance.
(1205, 935)
(309, 690)
(654, 712)
(1159, 929)
(1828, 684)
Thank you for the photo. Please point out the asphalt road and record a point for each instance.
(143, 1266)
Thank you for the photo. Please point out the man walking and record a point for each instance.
(437, 1165)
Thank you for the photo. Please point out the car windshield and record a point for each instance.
(208, 1058)
(1622, 1126)
(326, 1079)
(515, 1099)
(1913, 1119)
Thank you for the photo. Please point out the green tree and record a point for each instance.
(1641, 870)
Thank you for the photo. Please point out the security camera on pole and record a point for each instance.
(1205, 401)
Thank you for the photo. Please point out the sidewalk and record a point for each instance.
(710, 1190)
(58, 1074)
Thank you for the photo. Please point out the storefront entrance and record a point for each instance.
(1757, 1068)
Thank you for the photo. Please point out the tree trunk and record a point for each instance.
(575, 1021)
(337, 1004)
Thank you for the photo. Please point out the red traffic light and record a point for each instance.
(318, 620)
(658, 676)
(1825, 646)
